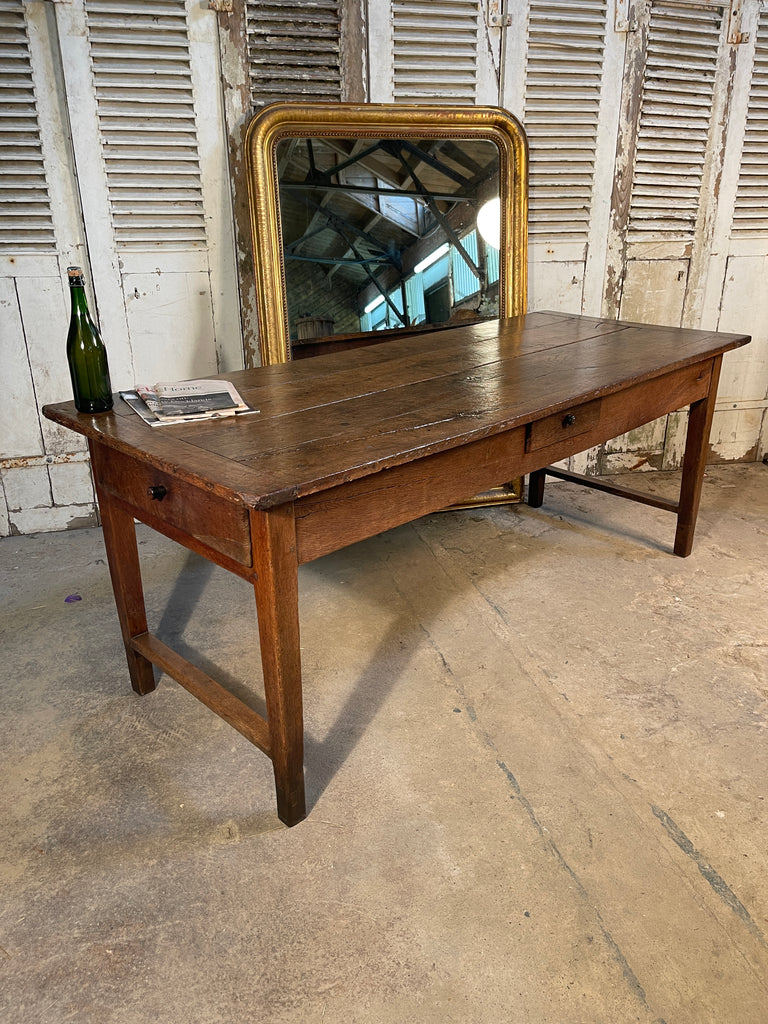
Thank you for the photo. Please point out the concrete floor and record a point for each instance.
(536, 765)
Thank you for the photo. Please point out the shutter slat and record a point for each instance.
(750, 215)
(26, 224)
(294, 50)
(674, 122)
(435, 50)
(140, 62)
(562, 108)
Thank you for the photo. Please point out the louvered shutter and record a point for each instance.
(142, 86)
(435, 50)
(111, 156)
(674, 126)
(294, 50)
(563, 83)
(46, 479)
(751, 208)
(26, 224)
(674, 254)
(141, 71)
(737, 297)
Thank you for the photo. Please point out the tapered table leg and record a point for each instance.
(123, 560)
(273, 535)
(536, 488)
(694, 463)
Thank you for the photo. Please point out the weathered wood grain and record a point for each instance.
(345, 416)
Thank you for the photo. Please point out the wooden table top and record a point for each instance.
(339, 417)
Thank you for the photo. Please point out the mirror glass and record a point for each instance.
(381, 235)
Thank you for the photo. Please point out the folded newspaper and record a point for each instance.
(185, 400)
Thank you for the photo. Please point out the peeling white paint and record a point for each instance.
(735, 434)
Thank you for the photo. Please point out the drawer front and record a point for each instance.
(563, 425)
(163, 501)
(550, 439)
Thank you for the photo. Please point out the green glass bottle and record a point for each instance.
(86, 354)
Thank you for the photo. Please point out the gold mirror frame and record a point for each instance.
(279, 121)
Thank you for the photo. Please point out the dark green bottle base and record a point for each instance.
(93, 407)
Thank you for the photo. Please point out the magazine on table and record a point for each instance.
(185, 400)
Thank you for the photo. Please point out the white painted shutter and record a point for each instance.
(444, 51)
(294, 50)
(671, 256)
(562, 78)
(142, 77)
(44, 476)
(563, 86)
(435, 50)
(750, 217)
(738, 292)
(147, 128)
(112, 156)
(675, 119)
(26, 225)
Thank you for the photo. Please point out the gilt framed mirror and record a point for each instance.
(370, 220)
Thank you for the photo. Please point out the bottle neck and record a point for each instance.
(79, 301)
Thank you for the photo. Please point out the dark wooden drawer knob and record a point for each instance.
(157, 493)
(569, 420)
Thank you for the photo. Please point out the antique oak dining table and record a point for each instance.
(350, 444)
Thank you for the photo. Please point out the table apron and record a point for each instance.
(218, 529)
(351, 512)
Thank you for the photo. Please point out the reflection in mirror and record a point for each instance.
(381, 234)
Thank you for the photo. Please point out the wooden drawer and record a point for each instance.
(173, 506)
(551, 438)
(563, 425)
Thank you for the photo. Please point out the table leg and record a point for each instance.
(277, 607)
(123, 559)
(694, 463)
(536, 488)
